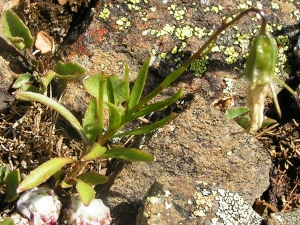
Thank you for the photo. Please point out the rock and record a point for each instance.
(7, 77)
(195, 151)
(288, 218)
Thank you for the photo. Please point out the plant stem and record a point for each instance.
(201, 52)
(32, 96)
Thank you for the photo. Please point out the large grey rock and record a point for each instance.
(195, 151)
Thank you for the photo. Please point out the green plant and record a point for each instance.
(112, 96)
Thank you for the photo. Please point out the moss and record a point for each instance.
(199, 66)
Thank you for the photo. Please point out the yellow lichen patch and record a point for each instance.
(232, 55)
(104, 14)
(124, 23)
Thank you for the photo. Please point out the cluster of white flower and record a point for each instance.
(41, 206)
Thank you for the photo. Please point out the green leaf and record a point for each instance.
(43, 172)
(114, 116)
(30, 96)
(7, 221)
(23, 79)
(268, 122)
(115, 90)
(90, 121)
(63, 184)
(85, 191)
(146, 129)
(157, 106)
(91, 84)
(4, 169)
(127, 89)
(68, 70)
(13, 179)
(236, 112)
(138, 86)
(131, 154)
(48, 78)
(95, 152)
(16, 31)
(30, 88)
(92, 178)
(243, 122)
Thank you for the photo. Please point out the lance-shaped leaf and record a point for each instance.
(68, 70)
(42, 173)
(236, 112)
(12, 181)
(90, 121)
(244, 121)
(115, 90)
(4, 170)
(138, 86)
(30, 96)
(157, 106)
(92, 178)
(92, 84)
(16, 31)
(148, 128)
(114, 116)
(48, 78)
(131, 154)
(95, 152)
(85, 191)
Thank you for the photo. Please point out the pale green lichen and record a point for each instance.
(166, 30)
(124, 23)
(199, 66)
(178, 14)
(200, 32)
(132, 4)
(243, 40)
(216, 9)
(232, 55)
(104, 14)
(275, 6)
(296, 14)
(174, 50)
(163, 55)
(183, 33)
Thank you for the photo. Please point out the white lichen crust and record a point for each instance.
(40, 206)
(76, 213)
(233, 210)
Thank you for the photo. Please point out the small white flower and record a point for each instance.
(76, 213)
(255, 102)
(40, 206)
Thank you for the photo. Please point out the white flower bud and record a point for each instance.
(76, 213)
(255, 102)
(40, 206)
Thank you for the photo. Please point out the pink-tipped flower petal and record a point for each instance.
(40, 206)
(76, 213)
